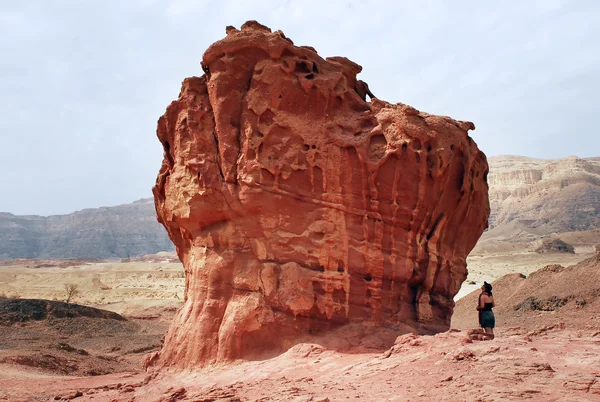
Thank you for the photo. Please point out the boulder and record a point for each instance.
(555, 246)
(296, 206)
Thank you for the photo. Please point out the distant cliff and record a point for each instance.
(109, 232)
(549, 195)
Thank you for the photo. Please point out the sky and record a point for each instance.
(82, 82)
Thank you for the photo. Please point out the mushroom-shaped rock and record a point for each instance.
(297, 207)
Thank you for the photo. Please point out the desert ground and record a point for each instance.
(100, 359)
(158, 281)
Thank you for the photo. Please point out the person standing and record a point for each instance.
(487, 320)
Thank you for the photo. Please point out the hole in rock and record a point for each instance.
(314, 147)
(430, 163)
(367, 124)
(305, 147)
(340, 87)
(368, 278)
(339, 296)
(318, 289)
(280, 96)
(302, 67)
(404, 146)
(309, 76)
(315, 68)
(377, 144)
(317, 236)
(429, 148)
(451, 147)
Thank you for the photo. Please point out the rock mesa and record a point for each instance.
(296, 206)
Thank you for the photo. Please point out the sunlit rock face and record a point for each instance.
(297, 207)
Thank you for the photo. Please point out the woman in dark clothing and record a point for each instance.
(486, 315)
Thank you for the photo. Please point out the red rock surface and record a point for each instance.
(296, 206)
(554, 365)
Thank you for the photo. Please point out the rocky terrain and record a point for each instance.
(72, 341)
(546, 349)
(127, 230)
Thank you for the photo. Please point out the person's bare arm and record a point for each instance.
(481, 303)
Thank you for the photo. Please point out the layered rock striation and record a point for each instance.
(296, 206)
(545, 195)
(127, 230)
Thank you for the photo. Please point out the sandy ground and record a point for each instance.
(131, 287)
(122, 287)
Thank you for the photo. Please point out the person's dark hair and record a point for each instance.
(488, 288)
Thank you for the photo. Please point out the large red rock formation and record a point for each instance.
(296, 206)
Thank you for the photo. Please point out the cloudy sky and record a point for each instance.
(82, 83)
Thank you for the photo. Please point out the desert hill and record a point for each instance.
(109, 232)
(48, 338)
(535, 198)
(554, 195)
(552, 295)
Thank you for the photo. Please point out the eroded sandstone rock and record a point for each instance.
(296, 206)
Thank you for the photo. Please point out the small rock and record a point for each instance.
(465, 354)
